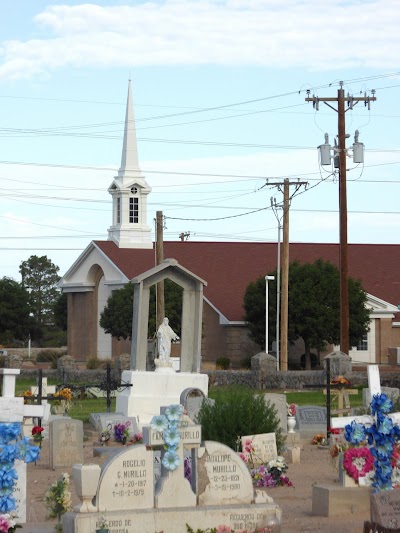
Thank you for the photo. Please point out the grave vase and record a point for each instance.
(86, 478)
(291, 423)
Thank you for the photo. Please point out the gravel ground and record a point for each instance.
(296, 502)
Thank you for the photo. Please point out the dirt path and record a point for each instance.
(296, 503)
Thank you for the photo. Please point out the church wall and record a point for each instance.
(213, 344)
(119, 347)
(239, 346)
(389, 337)
(81, 333)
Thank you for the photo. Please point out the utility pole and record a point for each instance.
(341, 99)
(160, 307)
(283, 291)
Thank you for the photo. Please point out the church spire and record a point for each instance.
(129, 191)
(129, 159)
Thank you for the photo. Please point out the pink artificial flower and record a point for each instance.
(248, 446)
(4, 525)
(223, 529)
(243, 457)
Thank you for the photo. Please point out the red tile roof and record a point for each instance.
(228, 267)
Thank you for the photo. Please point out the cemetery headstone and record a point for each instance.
(102, 421)
(279, 402)
(223, 477)
(66, 442)
(127, 481)
(264, 445)
(310, 420)
(385, 509)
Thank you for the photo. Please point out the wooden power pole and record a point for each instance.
(341, 99)
(284, 289)
(160, 306)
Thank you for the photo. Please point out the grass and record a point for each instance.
(81, 409)
(318, 398)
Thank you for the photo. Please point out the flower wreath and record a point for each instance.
(358, 462)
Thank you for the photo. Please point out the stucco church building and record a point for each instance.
(227, 268)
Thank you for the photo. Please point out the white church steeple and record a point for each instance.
(129, 192)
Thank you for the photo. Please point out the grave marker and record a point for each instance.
(264, 445)
(385, 509)
(127, 481)
(223, 476)
(66, 442)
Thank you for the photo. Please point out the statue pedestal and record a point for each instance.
(152, 390)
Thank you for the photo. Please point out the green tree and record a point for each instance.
(314, 307)
(61, 312)
(116, 317)
(40, 278)
(14, 311)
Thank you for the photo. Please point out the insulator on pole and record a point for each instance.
(325, 151)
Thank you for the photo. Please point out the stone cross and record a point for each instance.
(173, 489)
(374, 385)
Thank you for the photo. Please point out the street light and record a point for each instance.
(267, 279)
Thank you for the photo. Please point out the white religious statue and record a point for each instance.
(165, 335)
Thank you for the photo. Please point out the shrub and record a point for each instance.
(93, 363)
(246, 362)
(50, 356)
(238, 411)
(223, 363)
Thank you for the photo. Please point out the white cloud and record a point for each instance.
(296, 33)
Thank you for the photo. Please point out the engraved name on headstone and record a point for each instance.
(223, 477)
(385, 509)
(127, 481)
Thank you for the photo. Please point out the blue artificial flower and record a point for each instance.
(383, 450)
(355, 433)
(8, 453)
(32, 454)
(383, 470)
(159, 423)
(385, 425)
(7, 477)
(171, 460)
(7, 503)
(9, 431)
(380, 402)
(172, 436)
(174, 412)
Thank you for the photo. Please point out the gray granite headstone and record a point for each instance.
(193, 406)
(392, 392)
(340, 363)
(102, 421)
(310, 420)
(279, 402)
(66, 442)
(385, 509)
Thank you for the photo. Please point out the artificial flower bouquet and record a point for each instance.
(340, 380)
(63, 397)
(8, 524)
(58, 499)
(291, 409)
(121, 431)
(319, 439)
(137, 438)
(37, 433)
(105, 435)
(269, 474)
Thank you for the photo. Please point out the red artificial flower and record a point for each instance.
(358, 462)
(334, 431)
(37, 430)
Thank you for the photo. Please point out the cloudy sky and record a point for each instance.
(219, 91)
